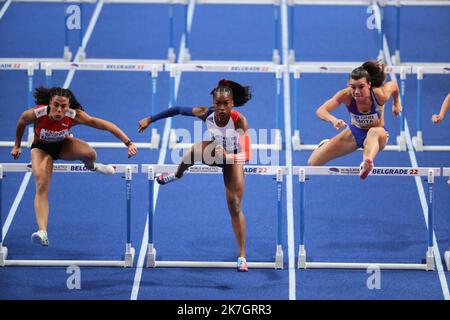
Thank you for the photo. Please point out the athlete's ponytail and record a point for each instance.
(241, 95)
(373, 71)
(44, 95)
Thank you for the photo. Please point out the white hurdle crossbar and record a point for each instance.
(153, 169)
(446, 173)
(420, 69)
(151, 67)
(230, 66)
(330, 67)
(128, 259)
(303, 172)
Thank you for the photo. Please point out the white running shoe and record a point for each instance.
(105, 169)
(166, 178)
(242, 265)
(365, 168)
(40, 237)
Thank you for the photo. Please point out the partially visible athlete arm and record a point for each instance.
(324, 111)
(199, 112)
(385, 92)
(27, 117)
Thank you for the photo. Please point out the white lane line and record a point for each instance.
(288, 133)
(4, 8)
(161, 160)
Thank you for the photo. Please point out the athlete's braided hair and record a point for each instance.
(44, 95)
(373, 71)
(239, 93)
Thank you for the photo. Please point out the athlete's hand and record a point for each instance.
(144, 123)
(15, 152)
(339, 124)
(397, 109)
(219, 154)
(132, 150)
(436, 118)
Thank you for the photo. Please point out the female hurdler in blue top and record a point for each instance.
(228, 148)
(364, 98)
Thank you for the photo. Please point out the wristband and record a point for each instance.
(128, 142)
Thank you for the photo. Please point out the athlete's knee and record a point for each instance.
(234, 204)
(42, 183)
(376, 132)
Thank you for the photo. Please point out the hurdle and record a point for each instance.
(230, 66)
(276, 58)
(153, 169)
(29, 66)
(70, 9)
(329, 67)
(303, 172)
(421, 69)
(378, 7)
(117, 65)
(128, 259)
(446, 173)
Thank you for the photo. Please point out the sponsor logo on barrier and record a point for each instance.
(199, 67)
(324, 69)
(204, 169)
(412, 172)
(10, 65)
(334, 170)
(256, 170)
(29, 167)
(348, 171)
(124, 67)
(249, 69)
(446, 70)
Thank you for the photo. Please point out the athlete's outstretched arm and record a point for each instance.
(388, 90)
(97, 123)
(199, 112)
(324, 111)
(436, 118)
(26, 118)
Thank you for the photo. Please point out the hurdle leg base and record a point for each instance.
(430, 260)
(187, 56)
(172, 139)
(81, 55)
(129, 258)
(171, 56)
(418, 142)
(67, 54)
(291, 56)
(155, 139)
(279, 258)
(296, 145)
(278, 141)
(301, 258)
(3, 255)
(447, 259)
(401, 142)
(276, 56)
(151, 257)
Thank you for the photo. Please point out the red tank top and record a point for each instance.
(48, 130)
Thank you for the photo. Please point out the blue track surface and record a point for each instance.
(380, 219)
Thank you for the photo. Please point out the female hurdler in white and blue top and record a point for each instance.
(228, 148)
(364, 98)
